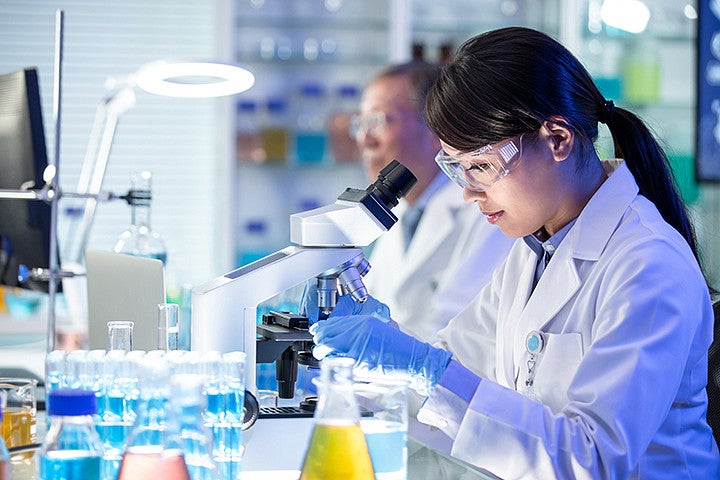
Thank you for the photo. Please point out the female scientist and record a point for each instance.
(586, 356)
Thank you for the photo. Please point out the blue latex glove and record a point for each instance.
(376, 345)
(346, 305)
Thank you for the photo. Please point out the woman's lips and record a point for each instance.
(493, 217)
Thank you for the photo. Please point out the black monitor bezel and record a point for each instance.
(23, 159)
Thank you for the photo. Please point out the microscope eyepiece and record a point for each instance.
(394, 182)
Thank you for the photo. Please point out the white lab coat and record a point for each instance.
(450, 258)
(622, 377)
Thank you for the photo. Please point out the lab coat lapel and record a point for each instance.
(522, 273)
(556, 287)
(436, 224)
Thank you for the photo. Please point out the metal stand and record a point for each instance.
(50, 192)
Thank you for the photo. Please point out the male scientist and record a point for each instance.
(442, 251)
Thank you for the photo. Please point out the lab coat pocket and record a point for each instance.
(557, 367)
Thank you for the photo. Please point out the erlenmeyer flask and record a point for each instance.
(337, 447)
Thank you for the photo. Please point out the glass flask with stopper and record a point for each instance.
(338, 448)
(140, 239)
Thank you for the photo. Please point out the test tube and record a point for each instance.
(227, 431)
(76, 375)
(120, 335)
(94, 378)
(234, 379)
(54, 370)
(168, 326)
(214, 391)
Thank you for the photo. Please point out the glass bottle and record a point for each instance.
(253, 242)
(72, 449)
(344, 147)
(248, 142)
(337, 447)
(275, 131)
(187, 443)
(310, 124)
(140, 239)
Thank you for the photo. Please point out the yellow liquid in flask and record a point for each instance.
(337, 451)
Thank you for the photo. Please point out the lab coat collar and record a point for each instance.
(437, 222)
(437, 183)
(600, 216)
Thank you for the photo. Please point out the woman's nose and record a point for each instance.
(471, 196)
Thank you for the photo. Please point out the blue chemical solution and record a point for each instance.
(214, 404)
(229, 468)
(114, 405)
(387, 444)
(113, 434)
(70, 465)
(234, 405)
(310, 147)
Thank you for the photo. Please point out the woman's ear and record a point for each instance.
(561, 138)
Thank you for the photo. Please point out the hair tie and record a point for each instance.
(606, 112)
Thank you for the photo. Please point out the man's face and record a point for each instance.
(391, 127)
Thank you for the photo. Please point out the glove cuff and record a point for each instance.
(429, 366)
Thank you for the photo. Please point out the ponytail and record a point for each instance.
(649, 164)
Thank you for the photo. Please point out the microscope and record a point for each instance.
(327, 245)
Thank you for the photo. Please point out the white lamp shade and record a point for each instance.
(193, 79)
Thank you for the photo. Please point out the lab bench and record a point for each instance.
(275, 449)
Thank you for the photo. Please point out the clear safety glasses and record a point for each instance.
(372, 124)
(480, 169)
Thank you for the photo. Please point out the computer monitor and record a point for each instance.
(24, 224)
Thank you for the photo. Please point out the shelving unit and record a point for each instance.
(435, 24)
(338, 43)
(288, 44)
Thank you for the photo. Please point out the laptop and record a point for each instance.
(123, 287)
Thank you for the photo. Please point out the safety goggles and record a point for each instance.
(480, 169)
(371, 124)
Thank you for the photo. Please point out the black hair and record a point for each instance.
(508, 81)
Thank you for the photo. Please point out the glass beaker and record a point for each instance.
(385, 398)
(5, 467)
(19, 423)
